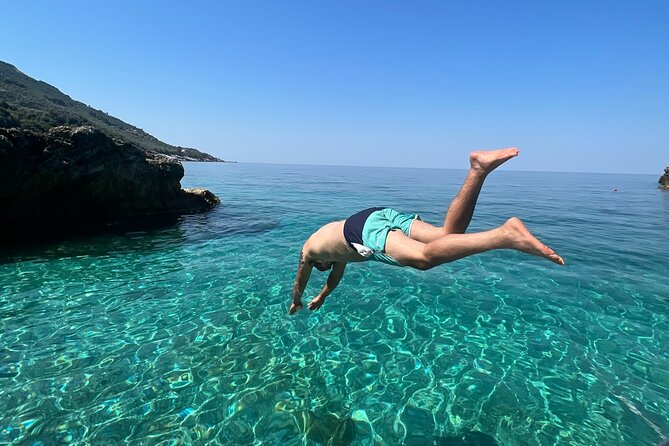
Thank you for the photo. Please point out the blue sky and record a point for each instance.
(577, 86)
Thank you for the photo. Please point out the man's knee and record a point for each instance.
(429, 259)
(422, 263)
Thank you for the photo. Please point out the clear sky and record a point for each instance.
(576, 85)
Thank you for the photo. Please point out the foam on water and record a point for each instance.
(181, 335)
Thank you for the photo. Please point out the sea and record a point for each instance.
(180, 335)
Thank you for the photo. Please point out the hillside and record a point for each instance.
(37, 106)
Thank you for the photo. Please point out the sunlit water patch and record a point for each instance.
(181, 335)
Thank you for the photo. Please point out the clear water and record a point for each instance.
(181, 335)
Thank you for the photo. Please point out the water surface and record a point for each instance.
(181, 335)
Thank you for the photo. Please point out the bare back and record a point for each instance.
(329, 245)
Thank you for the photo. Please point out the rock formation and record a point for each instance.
(76, 177)
(664, 179)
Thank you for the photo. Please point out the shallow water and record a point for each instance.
(181, 335)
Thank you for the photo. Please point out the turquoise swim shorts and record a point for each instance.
(376, 229)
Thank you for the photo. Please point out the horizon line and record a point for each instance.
(432, 168)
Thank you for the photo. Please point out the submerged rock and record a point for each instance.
(76, 177)
(466, 438)
(327, 429)
(664, 179)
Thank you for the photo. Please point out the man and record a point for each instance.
(388, 236)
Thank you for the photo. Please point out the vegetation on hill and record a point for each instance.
(37, 106)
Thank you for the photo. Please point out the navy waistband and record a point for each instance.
(354, 224)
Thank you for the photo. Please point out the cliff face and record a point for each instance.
(664, 179)
(71, 177)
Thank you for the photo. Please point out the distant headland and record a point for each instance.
(664, 179)
(66, 167)
(34, 105)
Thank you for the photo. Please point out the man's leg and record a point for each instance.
(461, 210)
(511, 235)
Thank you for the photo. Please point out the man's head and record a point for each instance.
(322, 266)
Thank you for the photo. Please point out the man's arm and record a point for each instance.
(303, 273)
(333, 280)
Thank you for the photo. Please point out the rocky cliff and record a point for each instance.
(75, 177)
(664, 179)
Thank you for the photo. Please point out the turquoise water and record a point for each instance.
(181, 335)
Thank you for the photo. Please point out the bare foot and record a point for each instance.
(485, 161)
(316, 303)
(521, 238)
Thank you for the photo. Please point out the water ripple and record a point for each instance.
(180, 335)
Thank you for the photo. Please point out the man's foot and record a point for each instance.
(485, 161)
(316, 303)
(520, 238)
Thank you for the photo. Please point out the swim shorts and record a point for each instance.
(367, 231)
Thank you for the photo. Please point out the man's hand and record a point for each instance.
(316, 302)
(295, 306)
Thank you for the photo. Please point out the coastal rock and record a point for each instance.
(664, 179)
(72, 177)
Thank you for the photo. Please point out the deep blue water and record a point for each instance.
(181, 335)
